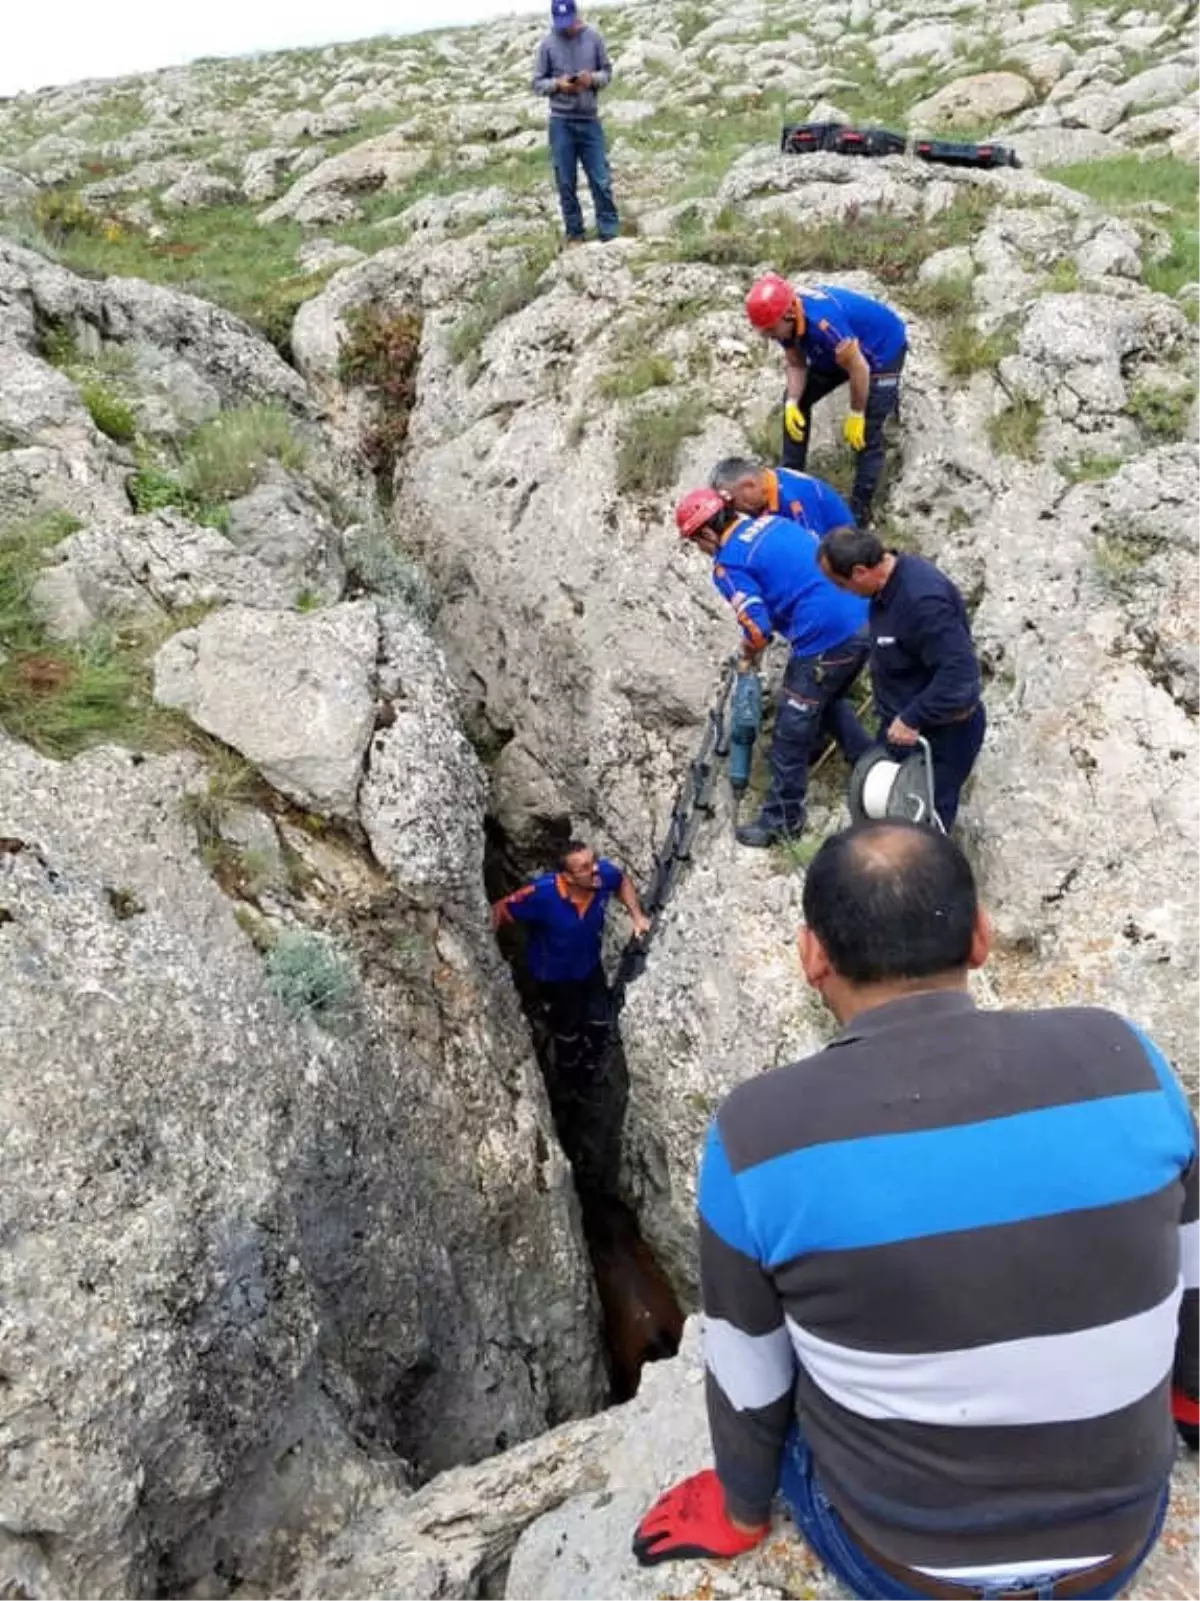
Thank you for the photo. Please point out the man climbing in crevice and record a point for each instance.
(565, 912)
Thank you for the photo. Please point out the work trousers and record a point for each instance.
(827, 1536)
(812, 704)
(579, 1014)
(579, 1081)
(581, 139)
(953, 748)
(883, 396)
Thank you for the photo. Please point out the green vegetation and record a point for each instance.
(153, 488)
(108, 411)
(1089, 469)
(1122, 185)
(376, 565)
(633, 376)
(1014, 431)
(943, 297)
(227, 455)
(231, 783)
(311, 977)
(889, 246)
(60, 697)
(965, 350)
(794, 855)
(1064, 276)
(380, 354)
(1119, 559)
(1161, 413)
(648, 446)
(498, 297)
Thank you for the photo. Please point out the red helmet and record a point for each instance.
(771, 298)
(696, 510)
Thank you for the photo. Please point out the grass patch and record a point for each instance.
(228, 455)
(891, 247)
(152, 488)
(950, 296)
(966, 351)
(311, 977)
(1064, 276)
(1161, 413)
(380, 354)
(1121, 184)
(1118, 562)
(1014, 431)
(109, 412)
(231, 783)
(1089, 469)
(634, 376)
(497, 298)
(648, 446)
(794, 855)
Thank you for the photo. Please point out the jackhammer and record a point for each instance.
(745, 720)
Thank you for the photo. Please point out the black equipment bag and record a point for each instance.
(801, 138)
(965, 155)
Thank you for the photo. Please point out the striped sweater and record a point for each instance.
(961, 1246)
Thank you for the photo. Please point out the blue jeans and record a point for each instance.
(812, 703)
(883, 396)
(830, 1540)
(574, 140)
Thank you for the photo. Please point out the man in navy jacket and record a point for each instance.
(923, 665)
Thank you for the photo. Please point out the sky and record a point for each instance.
(60, 41)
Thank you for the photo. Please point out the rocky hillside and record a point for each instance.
(334, 526)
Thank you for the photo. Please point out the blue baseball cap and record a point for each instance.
(562, 14)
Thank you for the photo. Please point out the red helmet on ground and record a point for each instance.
(771, 298)
(696, 510)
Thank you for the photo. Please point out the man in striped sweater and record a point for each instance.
(960, 1248)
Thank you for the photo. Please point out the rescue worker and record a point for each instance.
(831, 337)
(565, 911)
(770, 577)
(572, 67)
(753, 489)
(924, 669)
(948, 1266)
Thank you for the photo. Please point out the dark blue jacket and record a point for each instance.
(767, 570)
(809, 501)
(565, 937)
(923, 663)
(832, 316)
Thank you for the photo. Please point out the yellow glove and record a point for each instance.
(855, 430)
(793, 422)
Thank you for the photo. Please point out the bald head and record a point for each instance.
(892, 901)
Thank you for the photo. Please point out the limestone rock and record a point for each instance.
(37, 403)
(327, 192)
(294, 694)
(15, 189)
(199, 188)
(967, 102)
(323, 255)
(282, 524)
(263, 170)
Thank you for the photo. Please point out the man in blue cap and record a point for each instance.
(572, 67)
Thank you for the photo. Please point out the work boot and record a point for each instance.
(759, 834)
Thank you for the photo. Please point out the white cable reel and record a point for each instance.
(882, 787)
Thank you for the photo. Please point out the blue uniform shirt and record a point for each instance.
(834, 315)
(767, 570)
(565, 937)
(811, 502)
(923, 664)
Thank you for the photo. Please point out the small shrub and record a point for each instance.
(231, 783)
(152, 488)
(380, 354)
(57, 343)
(307, 600)
(1014, 431)
(61, 217)
(1161, 413)
(944, 297)
(1119, 560)
(376, 564)
(965, 350)
(108, 411)
(648, 449)
(635, 376)
(311, 977)
(227, 456)
(1064, 276)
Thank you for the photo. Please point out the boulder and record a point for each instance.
(294, 694)
(1098, 109)
(324, 255)
(1159, 86)
(16, 190)
(327, 193)
(973, 102)
(199, 188)
(263, 170)
(283, 526)
(38, 404)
